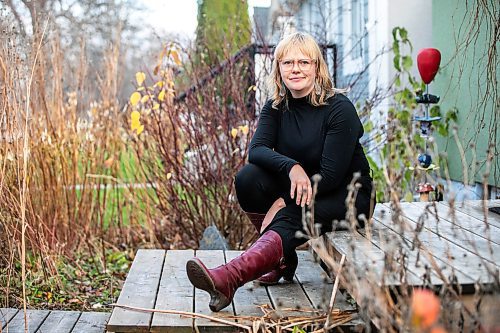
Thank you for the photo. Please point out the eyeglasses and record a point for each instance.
(304, 64)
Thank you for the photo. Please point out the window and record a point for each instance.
(353, 26)
(357, 28)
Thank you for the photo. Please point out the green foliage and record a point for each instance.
(393, 177)
(223, 28)
(450, 117)
(87, 282)
(297, 329)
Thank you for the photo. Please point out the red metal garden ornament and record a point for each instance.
(428, 61)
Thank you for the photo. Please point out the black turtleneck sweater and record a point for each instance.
(323, 139)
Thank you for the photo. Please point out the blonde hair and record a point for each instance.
(307, 45)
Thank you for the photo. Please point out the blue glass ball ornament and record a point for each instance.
(424, 160)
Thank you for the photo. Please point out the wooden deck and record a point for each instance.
(158, 280)
(45, 321)
(431, 246)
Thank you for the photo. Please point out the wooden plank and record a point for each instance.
(318, 286)
(454, 234)
(464, 221)
(395, 245)
(248, 298)
(175, 293)
(288, 297)
(439, 247)
(139, 290)
(211, 259)
(365, 260)
(91, 322)
(6, 314)
(477, 212)
(35, 319)
(482, 203)
(60, 322)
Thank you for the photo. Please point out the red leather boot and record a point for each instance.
(286, 270)
(221, 282)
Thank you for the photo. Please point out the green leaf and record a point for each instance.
(368, 126)
(442, 130)
(395, 61)
(394, 33)
(407, 62)
(435, 111)
(404, 34)
(397, 82)
(395, 47)
(452, 115)
(375, 168)
(297, 329)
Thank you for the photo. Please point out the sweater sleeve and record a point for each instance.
(344, 130)
(262, 146)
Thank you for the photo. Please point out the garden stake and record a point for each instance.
(428, 64)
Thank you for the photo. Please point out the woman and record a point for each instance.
(307, 128)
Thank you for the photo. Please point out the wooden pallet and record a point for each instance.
(158, 280)
(45, 321)
(460, 245)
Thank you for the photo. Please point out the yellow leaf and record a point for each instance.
(135, 115)
(161, 95)
(140, 129)
(244, 129)
(140, 77)
(175, 56)
(252, 87)
(159, 84)
(140, 89)
(135, 98)
(144, 99)
(234, 133)
(156, 106)
(135, 125)
(169, 175)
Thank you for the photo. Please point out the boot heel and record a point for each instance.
(201, 279)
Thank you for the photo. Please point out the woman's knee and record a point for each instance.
(243, 179)
(255, 188)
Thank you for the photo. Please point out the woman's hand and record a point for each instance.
(301, 184)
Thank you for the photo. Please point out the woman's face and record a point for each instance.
(298, 72)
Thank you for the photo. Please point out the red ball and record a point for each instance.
(428, 61)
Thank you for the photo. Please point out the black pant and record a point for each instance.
(257, 189)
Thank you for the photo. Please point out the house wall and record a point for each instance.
(462, 83)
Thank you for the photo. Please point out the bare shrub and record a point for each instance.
(193, 144)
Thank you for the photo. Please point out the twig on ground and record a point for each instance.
(184, 313)
(334, 292)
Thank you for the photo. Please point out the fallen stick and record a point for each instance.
(184, 313)
(334, 293)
